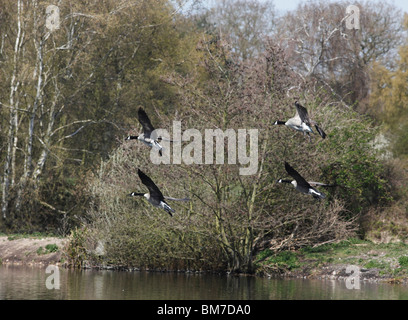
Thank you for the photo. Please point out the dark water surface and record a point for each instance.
(33, 283)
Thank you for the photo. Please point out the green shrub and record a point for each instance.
(403, 261)
(49, 248)
(75, 251)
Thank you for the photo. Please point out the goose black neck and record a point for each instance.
(280, 122)
(131, 137)
(136, 194)
(285, 181)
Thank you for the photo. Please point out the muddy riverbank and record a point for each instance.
(28, 250)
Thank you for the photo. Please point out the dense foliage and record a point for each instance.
(71, 95)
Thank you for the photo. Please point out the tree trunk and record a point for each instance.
(9, 165)
(28, 165)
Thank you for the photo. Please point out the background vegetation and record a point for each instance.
(69, 96)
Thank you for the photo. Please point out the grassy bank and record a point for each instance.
(376, 261)
(387, 262)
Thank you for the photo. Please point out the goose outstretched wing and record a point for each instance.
(302, 112)
(145, 122)
(295, 175)
(153, 189)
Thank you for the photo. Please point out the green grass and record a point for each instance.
(49, 248)
(403, 261)
(285, 259)
(389, 258)
(376, 264)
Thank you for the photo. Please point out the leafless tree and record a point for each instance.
(244, 24)
(319, 45)
(229, 216)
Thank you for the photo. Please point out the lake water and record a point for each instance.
(33, 283)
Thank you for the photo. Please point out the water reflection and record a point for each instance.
(25, 282)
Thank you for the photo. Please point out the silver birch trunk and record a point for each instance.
(12, 140)
(38, 72)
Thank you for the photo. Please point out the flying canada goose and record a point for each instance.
(301, 122)
(302, 185)
(148, 137)
(155, 197)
